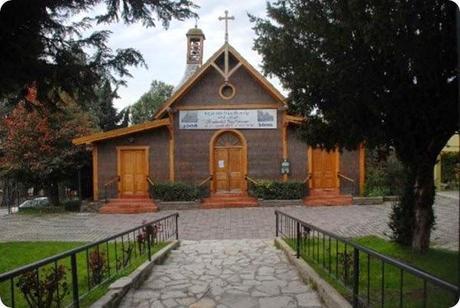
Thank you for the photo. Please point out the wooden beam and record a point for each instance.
(172, 148)
(234, 69)
(229, 106)
(284, 137)
(95, 174)
(310, 165)
(213, 64)
(362, 168)
(120, 132)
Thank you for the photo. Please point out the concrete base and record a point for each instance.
(120, 287)
(330, 296)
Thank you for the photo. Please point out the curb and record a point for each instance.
(120, 287)
(330, 297)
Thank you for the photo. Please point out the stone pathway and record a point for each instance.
(224, 273)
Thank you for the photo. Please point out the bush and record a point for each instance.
(72, 205)
(383, 177)
(177, 192)
(274, 190)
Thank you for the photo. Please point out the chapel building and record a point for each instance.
(224, 125)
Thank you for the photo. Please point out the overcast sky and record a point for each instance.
(164, 51)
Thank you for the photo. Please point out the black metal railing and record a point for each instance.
(351, 189)
(109, 188)
(366, 277)
(68, 278)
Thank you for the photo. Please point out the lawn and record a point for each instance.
(16, 254)
(333, 261)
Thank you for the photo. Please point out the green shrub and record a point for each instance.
(177, 191)
(275, 190)
(72, 205)
(383, 176)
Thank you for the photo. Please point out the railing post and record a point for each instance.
(73, 265)
(356, 277)
(177, 226)
(276, 224)
(298, 240)
(148, 246)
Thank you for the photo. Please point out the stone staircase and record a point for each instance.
(322, 197)
(129, 206)
(218, 201)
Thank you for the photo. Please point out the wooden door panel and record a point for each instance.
(235, 165)
(221, 169)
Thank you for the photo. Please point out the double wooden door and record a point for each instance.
(133, 172)
(229, 164)
(324, 169)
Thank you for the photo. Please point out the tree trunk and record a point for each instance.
(423, 207)
(52, 192)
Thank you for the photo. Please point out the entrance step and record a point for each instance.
(226, 201)
(328, 199)
(129, 206)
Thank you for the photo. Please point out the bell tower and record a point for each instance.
(195, 40)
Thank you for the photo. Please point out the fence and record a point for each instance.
(366, 278)
(46, 283)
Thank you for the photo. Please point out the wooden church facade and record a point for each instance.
(224, 122)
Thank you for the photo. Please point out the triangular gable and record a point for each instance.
(211, 64)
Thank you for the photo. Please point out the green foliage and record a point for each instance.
(103, 109)
(44, 41)
(176, 191)
(72, 205)
(384, 176)
(275, 190)
(144, 109)
(450, 167)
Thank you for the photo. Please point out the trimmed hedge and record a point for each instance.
(449, 161)
(275, 190)
(72, 205)
(177, 192)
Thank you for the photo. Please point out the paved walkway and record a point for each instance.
(240, 223)
(225, 273)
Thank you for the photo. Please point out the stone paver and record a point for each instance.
(240, 223)
(224, 273)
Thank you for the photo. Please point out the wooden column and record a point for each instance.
(362, 168)
(172, 148)
(284, 133)
(95, 174)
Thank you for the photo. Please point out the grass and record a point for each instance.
(16, 254)
(334, 263)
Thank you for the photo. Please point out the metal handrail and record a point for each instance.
(307, 178)
(107, 184)
(151, 184)
(209, 178)
(340, 175)
(345, 177)
(251, 180)
(164, 232)
(359, 249)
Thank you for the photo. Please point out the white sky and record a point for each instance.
(164, 51)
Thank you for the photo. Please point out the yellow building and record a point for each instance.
(452, 146)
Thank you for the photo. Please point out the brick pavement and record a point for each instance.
(238, 223)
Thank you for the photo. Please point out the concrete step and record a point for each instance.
(328, 200)
(129, 206)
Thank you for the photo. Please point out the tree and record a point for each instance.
(42, 41)
(37, 140)
(144, 109)
(103, 109)
(380, 72)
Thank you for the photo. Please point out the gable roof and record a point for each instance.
(210, 63)
(120, 132)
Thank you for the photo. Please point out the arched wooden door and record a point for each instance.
(228, 165)
(324, 168)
